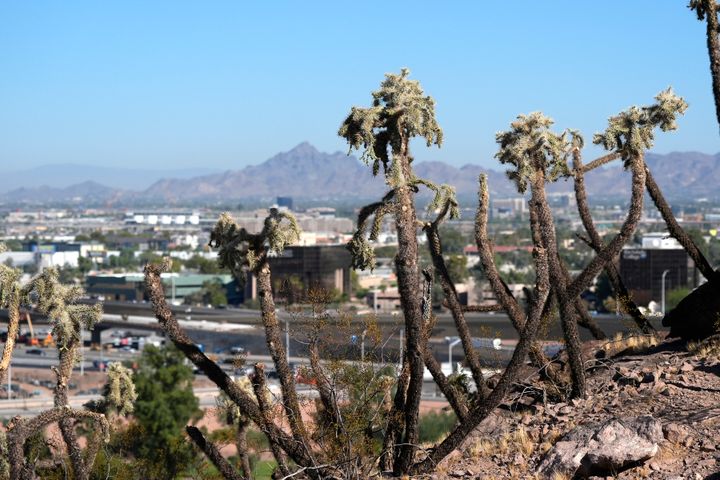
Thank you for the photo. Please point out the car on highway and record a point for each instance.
(36, 351)
(237, 350)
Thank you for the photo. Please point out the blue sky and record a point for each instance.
(225, 84)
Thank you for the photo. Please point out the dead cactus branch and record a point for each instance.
(212, 452)
(182, 341)
(596, 243)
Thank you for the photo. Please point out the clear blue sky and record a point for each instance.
(225, 84)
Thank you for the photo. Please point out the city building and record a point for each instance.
(162, 217)
(508, 208)
(317, 266)
(131, 286)
(285, 202)
(642, 268)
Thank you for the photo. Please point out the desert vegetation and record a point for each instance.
(364, 420)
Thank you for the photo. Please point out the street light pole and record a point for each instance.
(662, 288)
(451, 343)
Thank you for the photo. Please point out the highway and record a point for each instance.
(220, 329)
(140, 315)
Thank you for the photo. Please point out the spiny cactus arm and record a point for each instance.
(708, 10)
(401, 111)
(509, 376)
(568, 313)
(266, 420)
(20, 429)
(10, 298)
(630, 134)
(212, 452)
(451, 296)
(443, 199)
(120, 394)
(487, 261)
(674, 228)
(598, 162)
(396, 419)
(536, 352)
(361, 252)
(58, 302)
(182, 341)
(240, 251)
(456, 399)
(273, 340)
(4, 454)
(529, 146)
(595, 242)
(479, 308)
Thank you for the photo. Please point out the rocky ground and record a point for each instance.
(651, 414)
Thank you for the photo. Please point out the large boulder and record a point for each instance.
(696, 316)
(605, 448)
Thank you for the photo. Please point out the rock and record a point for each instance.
(676, 433)
(687, 367)
(606, 448)
(708, 446)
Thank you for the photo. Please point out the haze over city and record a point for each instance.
(230, 246)
(172, 85)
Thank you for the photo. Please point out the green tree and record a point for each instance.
(453, 241)
(203, 265)
(212, 293)
(84, 265)
(126, 260)
(165, 404)
(457, 267)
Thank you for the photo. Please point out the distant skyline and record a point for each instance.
(222, 85)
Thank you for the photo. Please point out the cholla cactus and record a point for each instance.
(630, 133)
(400, 111)
(240, 250)
(4, 465)
(57, 302)
(530, 146)
(707, 11)
(120, 390)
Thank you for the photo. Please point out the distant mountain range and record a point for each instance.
(307, 174)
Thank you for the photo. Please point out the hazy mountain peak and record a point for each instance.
(307, 173)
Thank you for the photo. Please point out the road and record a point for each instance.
(220, 329)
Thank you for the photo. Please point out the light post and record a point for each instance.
(451, 343)
(662, 288)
